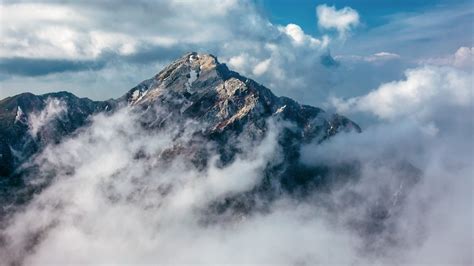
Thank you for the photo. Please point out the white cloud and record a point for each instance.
(54, 108)
(85, 30)
(377, 57)
(418, 95)
(238, 62)
(295, 32)
(383, 56)
(343, 20)
(298, 36)
(12, 12)
(261, 67)
(463, 58)
(40, 30)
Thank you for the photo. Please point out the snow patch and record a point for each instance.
(193, 76)
(280, 109)
(142, 95)
(19, 114)
(193, 57)
(135, 95)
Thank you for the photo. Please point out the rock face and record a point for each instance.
(195, 87)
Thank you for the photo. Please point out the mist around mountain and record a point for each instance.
(202, 165)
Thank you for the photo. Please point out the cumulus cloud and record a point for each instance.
(86, 30)
(237, 62)
(423, 90)
(68, 34)
(463, 58)
(342, 20)
(261, 67)
(298, 36)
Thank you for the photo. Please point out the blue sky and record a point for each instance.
(83, 47)
(385, 17)
(373, 12)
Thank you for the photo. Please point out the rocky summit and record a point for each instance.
(197, 87)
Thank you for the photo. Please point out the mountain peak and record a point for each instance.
(205, 62)
(193, 60)
(197, 86)
(183, 76)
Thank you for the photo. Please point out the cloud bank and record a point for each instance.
(419, 95)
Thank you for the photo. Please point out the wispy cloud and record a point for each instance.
(342, 20)
(417, 35)
(54, 108)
